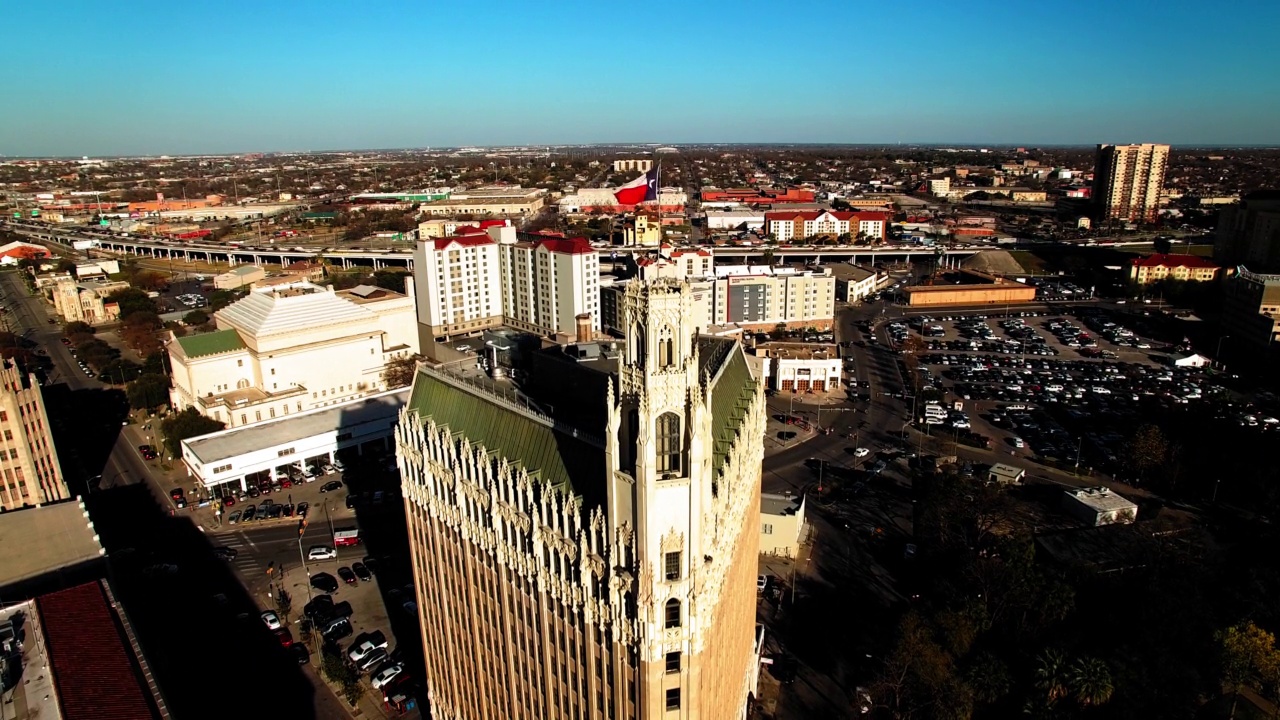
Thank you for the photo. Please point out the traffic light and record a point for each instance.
(302, 526)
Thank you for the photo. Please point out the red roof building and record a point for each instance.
(95, 675)
(786, 226)
(1161, 266)
(758, 196)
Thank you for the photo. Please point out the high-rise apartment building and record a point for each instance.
(589, 551)
(547, 281)
(1128, 180)
(29, 469)
(483, 278)
(458, 283)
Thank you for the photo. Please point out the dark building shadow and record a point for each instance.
(86, 425)
(198, 627)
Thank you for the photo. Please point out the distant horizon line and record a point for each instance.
(650, 145)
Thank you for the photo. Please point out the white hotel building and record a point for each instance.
(486, 278)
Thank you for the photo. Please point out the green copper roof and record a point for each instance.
(731, 394)
(554, 455)
(211, 343)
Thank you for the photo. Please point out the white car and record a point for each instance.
(386, 675)
(272, 620)
(321, 552)
(861, 452)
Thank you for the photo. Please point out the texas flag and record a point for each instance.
(641, 189)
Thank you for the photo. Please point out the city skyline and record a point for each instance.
(172, 80)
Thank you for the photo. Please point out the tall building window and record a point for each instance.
(673, 662)
(672, 619)
(672, 565)
(669, 443)
(673, 699)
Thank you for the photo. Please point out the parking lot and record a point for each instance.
(1063, 389)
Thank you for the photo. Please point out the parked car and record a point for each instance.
(361, 572)
(271, 620)
(248, 513)
(233, 518)
(302, 509)
(365, 644)
(331, 486)
(324, 582)
(347, 576)
(322, 552)
(286, 637)
(861, 452)
(337, 629)
(301, 652)
(386, 675)
(372, 660)
(319, 609)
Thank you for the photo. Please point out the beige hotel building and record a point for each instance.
(586, 548)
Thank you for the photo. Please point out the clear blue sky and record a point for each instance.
(134, 76)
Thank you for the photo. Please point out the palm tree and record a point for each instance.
(1051, 675)
(1090, 681)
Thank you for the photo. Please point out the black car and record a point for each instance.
(225, 553)
(320, 609)
(248, 513)
(341, 610)
(361, 572)
(354, 499)
(331, 486)
(347, 576)
(371, 563)
(302, 509)
(337, 629)
(324, 582)
(300, 652)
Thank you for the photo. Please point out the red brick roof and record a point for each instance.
(473, 239)
(557, 242)
(94, 675)
(1163, 260)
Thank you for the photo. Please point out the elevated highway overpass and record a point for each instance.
(198, 251)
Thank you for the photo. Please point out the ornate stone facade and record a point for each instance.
(561, 575)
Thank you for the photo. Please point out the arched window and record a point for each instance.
(637, 343)
(669, 443)
(666, 348)
(672, 614)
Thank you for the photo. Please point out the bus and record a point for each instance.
(345, 537)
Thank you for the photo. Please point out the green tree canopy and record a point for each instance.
(76, 327)
(196, 317)
(399, 372)
(186, 424)
(148, 392)
(132, 300)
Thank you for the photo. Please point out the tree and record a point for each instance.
(186, 424)
(399, 371)
(390, 279)
(1247, 654)
(219, 299)
(196, 317)
(1051, 676)
(1146, 449)
(1090, 681)
(132, 300)
(148, 392)
(284, 604)
(76, 327)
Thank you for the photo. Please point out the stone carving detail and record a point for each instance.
(673, 541)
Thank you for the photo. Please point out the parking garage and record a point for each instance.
(228, 461)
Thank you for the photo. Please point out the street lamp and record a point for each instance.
(1217, 354)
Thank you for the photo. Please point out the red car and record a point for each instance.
(286, 637)
(228, 501)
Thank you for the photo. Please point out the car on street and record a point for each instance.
(386, 675)
(361, 572)
(347, 576)
(322, 552)
(878, 467)
(147, 452)
(286, 637)
(324, 582)
(225, 553)
(861, 452)
(331, 486)
(301, 652)
(271, 620)
(762, 582)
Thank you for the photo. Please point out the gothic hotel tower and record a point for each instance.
(590, 552)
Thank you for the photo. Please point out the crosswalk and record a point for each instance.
(247, 562)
